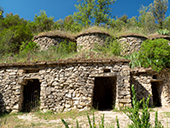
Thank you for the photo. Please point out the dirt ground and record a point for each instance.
(109, 119)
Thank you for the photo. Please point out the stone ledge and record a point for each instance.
(92, 32)
(132, 35)
(157, 36)
(53, 35)
(66, 62)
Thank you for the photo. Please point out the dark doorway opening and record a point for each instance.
(31, 95)
(156, 94)
(104, 94)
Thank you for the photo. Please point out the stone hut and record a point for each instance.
(87, 40)
(48, 39)
(148, 82)
(65, 85)
(130, 43)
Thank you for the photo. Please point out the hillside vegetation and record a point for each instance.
(16, 34)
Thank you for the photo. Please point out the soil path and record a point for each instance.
(109, 119)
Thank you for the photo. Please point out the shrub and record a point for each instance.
(163, 31)
(134, 60)
(139, 120)
(28, 47)
(155, 54)
(65, 47)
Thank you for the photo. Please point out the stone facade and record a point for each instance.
(130, 44)
(147, 82)
(64, 85)
(47, 41)
(87, 41)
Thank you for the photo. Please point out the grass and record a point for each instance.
(53, 55)
(59, 33)
(71, 114)
(12, 120)
(167, 114)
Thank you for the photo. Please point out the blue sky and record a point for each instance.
(62, 8)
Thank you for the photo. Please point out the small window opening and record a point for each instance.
(154, 77)
(106, 70)
(32, 71)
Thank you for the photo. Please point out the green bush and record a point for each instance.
(155, 54)
(139, 120)
(64, 47)
(134, 60)
(13, 31)
(28, 47)
(163, 31)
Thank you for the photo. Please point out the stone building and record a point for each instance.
(148, 82)
(65, 85)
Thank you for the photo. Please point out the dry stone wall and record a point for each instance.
(64, 86)
(164, 89)
(130, 44)
(147, 82)
(87, 41)
(47, 42)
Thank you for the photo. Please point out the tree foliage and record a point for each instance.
(13, 32)
(68, 24)
(93, 12)
(102, 11)
(158, 9)
(1, 12)
(146, 20)
(85, 12)
(41, 23)
(155, 54)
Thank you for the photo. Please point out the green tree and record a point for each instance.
(1, 12)
(102, 11)
(93, 12)
(41, 23)
(166, 23)
(13, 32)
(158, 9)
(71, 25)
(146, 20)
(85, 10)
(124, 18)
(68, 24)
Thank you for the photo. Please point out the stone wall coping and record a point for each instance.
(92, 32)
(64, 62)
(149, 70)
(157, 36)
(53, 35)
(132, 35)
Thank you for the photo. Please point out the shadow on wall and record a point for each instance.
(140, 90)
(2, 105)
